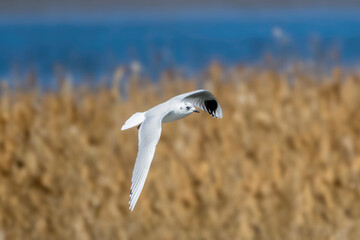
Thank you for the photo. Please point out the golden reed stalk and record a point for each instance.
(283, 163)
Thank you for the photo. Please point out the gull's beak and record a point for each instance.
(196, 111)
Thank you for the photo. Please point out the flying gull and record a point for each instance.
(149, 125)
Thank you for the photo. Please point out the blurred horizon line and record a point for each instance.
(179, 14)
(187, 39)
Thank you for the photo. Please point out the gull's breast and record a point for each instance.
(172, 116)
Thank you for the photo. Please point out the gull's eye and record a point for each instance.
(187, 108)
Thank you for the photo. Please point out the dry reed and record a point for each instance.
(283, 163)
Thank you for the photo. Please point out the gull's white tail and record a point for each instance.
(134, 120)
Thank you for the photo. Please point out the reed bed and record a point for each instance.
(283, 163)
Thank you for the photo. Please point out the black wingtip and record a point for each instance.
(211, 106)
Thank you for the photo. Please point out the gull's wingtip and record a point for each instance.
(131, 205)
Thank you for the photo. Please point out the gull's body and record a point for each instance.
(149, 123)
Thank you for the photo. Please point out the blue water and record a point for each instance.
(95, 45)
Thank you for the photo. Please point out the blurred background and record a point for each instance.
(283, 163)
(88, 40)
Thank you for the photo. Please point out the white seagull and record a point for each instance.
(149, 125)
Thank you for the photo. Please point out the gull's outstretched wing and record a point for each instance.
(149, 135)
(204, 100)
